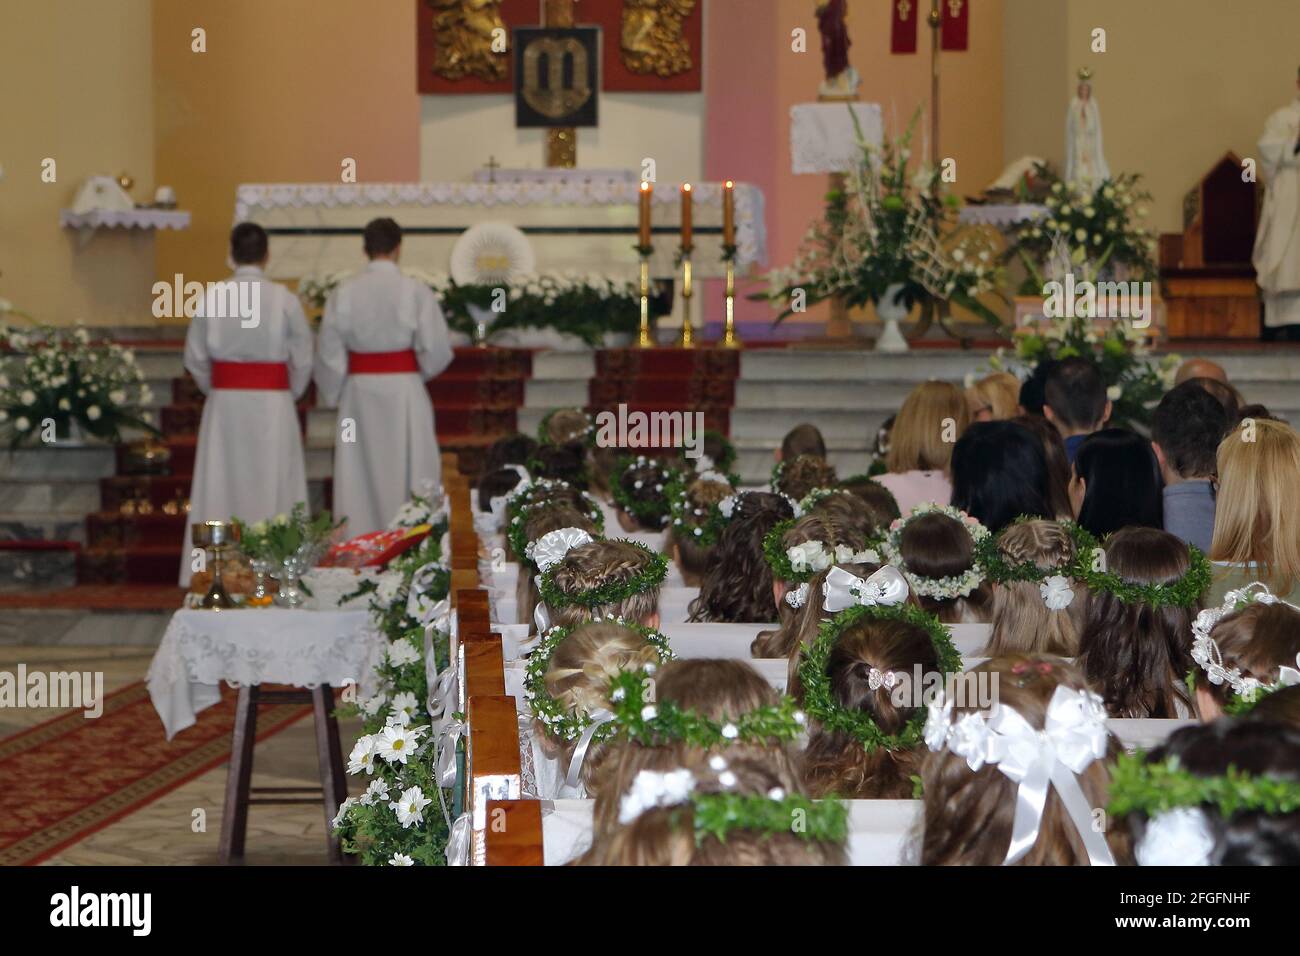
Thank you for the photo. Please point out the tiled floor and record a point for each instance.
(182, 827)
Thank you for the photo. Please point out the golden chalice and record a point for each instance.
(216, 537)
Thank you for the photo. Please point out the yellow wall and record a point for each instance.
(1182, 82)
(75, 86)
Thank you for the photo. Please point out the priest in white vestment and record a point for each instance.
(383, 336)
(250, 352)
(1277, 243)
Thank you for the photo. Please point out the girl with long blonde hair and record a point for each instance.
(920, 444)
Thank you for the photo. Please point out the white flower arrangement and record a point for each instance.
(946, 588)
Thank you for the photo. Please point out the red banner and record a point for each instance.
(905, 14)
(956, 24)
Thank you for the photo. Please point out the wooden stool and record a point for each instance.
(332, 791)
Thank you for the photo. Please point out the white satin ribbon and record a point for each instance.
(598, 719)
(550, 549)
(842, 589)
(541, 618)
(460, 840)
(448, 736)
(442, 690)
(420, 605)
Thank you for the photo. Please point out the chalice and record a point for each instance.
(216, 537)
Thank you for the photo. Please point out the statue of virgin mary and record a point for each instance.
(1084, 162)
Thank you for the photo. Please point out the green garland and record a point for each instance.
(559, 721)
(658, 724)
(819, 699)
(1185, 592)
(613, 592)
(704, 529)
(650, 512)
(717, 814)
(728, 457)
(778, 560)
(1152, 788)
(997, 569)
(774, 482)
(520, 505)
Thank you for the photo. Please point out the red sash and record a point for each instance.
(268, 376)
(382, 363)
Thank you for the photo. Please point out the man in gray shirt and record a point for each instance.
(1186, 429)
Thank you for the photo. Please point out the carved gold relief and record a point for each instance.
(652, 40)
(463, 33)
(553, 99)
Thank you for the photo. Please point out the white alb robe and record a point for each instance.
(1277, 242)
(249, 460)
(385, 447)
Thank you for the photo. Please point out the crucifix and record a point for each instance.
(492, 166)
(561, 141)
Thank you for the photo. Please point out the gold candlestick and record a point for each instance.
(688, 332)
(729, 338)
(644, 341)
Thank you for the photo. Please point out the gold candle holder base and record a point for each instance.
(687, 340)
(729, 338)
(644, 340)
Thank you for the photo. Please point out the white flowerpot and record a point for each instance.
(891, 313)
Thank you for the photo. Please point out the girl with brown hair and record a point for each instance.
(1136, 642)
(972, 803)
(1245, 650)
(560, 521)
(920, 444)
(696, 523)
(738, 587)
(603, 579)
(640, 492)
(935, 546)
(801, 475)
(1037, 600)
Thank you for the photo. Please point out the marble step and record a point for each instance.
(546, 394)
(563, 365)
(26, 570)
(43, 526)
(40, 496)
(58, 462)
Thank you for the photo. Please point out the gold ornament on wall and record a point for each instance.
(464, 31)
(652, 40)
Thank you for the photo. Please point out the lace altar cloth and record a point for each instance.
(303, 648)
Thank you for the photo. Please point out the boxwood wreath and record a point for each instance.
(783, 569)
(996, 567)
(543, 435)
(650, 512)
(704, 525)
(523, 502)
(559, 721)
(1186, 592)
(819, 700)
(717, 814)
(612, 592)
(662, 723)
(1152, 788)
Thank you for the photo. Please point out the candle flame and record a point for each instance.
(730, 184)
(686, 187)
(645, 186)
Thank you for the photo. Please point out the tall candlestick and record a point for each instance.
(728, 213)
(686, 218)
(687, 341)
(646, 191)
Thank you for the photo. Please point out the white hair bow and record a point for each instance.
(1056, 592)
(1177, 837)
(550, 549)
(841, 589)
(1073, 736)
(652, 789)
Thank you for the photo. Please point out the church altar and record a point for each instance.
(587, 226)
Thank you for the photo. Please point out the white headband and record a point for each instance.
(1206, 653)
(814, 556)
(1073, 736)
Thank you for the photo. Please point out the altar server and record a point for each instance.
(382, 338)
(249, 348)
(1277, 243)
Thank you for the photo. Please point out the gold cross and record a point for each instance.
(904, 9)
(954, 8)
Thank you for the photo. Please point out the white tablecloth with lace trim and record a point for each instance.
(303, 648)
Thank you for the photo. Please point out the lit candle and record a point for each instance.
(728, 213)
(646, 191)
(686, 217)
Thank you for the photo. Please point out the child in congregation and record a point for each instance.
(1116, 483)
(1245, 650)
(738, 588)
(1038, 599)
(504, 465)
(1135, 648)
(882, 509)
(935, 546)
(796, 550)
(600, 579)
(798, 476)
(972, 804)
(803, 439)
(920, 444)
(566, 463)
(549, 530)
(696, 522)
(566, 426)
(1220, 794)
(640, 491)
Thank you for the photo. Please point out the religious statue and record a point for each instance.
(652, 40)
(464, 31)
(1277, 243)
(832, 23)
(1084, 162)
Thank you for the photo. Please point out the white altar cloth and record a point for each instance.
(303, 648)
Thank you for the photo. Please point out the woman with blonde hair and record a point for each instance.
(920, 444)
(1256, 523)
(994, 398)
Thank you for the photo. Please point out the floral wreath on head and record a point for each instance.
(1246, 691)
(1053, 583)
(703, 525)
(1178, 831)
(717, 814)
(947, 588)
(774, 481)
(559, 721)
(662, 723)
(1185, 592)
(588, 437)
(810, 501)
(819, 699)
(520, 503)
(727, 506)
(650, 511)
(800, 563)
(612, 592)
